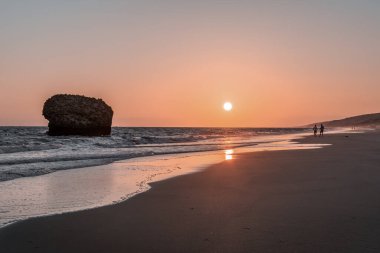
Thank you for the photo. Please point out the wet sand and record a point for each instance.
(321, 200)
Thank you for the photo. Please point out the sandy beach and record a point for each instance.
(320, 200)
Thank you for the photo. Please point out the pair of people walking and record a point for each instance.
(321, 130)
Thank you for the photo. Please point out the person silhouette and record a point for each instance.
(315, 129)
(321, 130)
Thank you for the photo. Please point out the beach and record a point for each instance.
(315, 200)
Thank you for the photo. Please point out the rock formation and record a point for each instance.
(77, 115)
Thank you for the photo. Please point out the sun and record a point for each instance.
(227, 106)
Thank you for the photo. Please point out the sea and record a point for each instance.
(44, 175)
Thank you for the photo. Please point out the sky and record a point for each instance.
(174, 63)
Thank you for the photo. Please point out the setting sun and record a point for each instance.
(227, 106)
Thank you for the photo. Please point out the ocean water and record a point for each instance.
(28, 151)
(91, 172)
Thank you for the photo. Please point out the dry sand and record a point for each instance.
(322, 200)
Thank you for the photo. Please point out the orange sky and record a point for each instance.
(175, 63)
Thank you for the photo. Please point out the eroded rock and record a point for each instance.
(77, 115)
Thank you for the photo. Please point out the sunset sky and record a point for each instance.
(174, 63)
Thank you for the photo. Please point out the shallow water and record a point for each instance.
(79, 189)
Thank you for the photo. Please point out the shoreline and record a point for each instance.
(321, 210)
(127, 183)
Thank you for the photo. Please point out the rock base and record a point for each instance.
(57, 131)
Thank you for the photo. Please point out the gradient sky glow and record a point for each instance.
(174, 63)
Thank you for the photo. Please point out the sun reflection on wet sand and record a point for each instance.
(228, 154)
